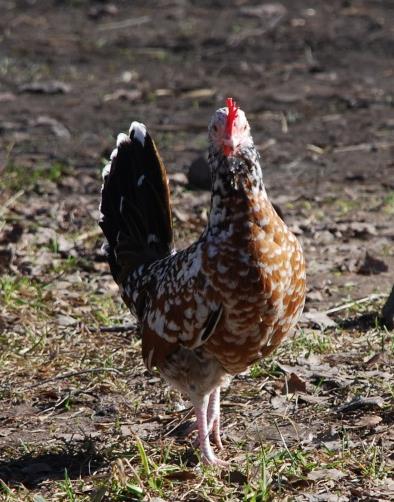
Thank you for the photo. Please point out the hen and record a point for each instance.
(211, 310)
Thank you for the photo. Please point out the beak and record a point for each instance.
(228, 146)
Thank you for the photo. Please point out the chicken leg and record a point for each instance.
(208, 418)
(213, 417)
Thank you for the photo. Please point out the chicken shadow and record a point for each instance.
(33, 469)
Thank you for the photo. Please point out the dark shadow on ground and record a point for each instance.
(362, 322)
(31, 470)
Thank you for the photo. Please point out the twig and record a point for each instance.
(182, 421)
(126, 23)
(194, 489)
(283, 441)
(363, 147)
(71, 394)
(10, 201)
(133, 471)
(375, 296)
(72, 374)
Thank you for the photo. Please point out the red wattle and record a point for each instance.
(227, 150)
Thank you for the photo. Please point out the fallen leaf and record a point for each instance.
(319, 319)
(4, 432)
(379, 358)
(264, 10)
(64, 245)
(58, 129)
(293, 384)
(199, 93)
(45, 235)
(66, 320)
(324, 237)
(279, 403)
(361, 402)
(314, 296)
(50, 87)
(7, 96)
(124, 94)
(125, 430)
(99, 494)
(363, 229)
(180, 215)
(368, 421)
(39, 498)
(311, 368)
(325, 474)
(337, 444)
(98, 11)
(283, 97)
(178, 179)
(312, 399)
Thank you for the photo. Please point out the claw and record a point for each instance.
(216, 461)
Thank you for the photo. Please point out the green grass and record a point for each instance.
(345, 206)
(311, 342)
(18, 291)
(17, 177)
(388, 203)
(35, 348)
(66, 488)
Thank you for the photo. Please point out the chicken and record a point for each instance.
(211, 310)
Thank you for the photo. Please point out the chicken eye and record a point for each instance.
(215, 128)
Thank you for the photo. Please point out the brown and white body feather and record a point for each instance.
(211, 310)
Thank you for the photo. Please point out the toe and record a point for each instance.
(218, 442)
(214, 460)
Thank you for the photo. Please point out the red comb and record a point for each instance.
(232, 113)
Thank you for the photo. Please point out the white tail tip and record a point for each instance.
(139, 130)
(122, 138)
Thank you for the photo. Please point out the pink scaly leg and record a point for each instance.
(208, 456)
(214, 417)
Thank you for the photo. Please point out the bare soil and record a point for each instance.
(80, 418)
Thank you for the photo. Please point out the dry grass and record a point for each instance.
(82, 420)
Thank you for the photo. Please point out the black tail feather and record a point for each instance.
(135, 204)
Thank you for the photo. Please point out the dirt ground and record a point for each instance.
(80, 418)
